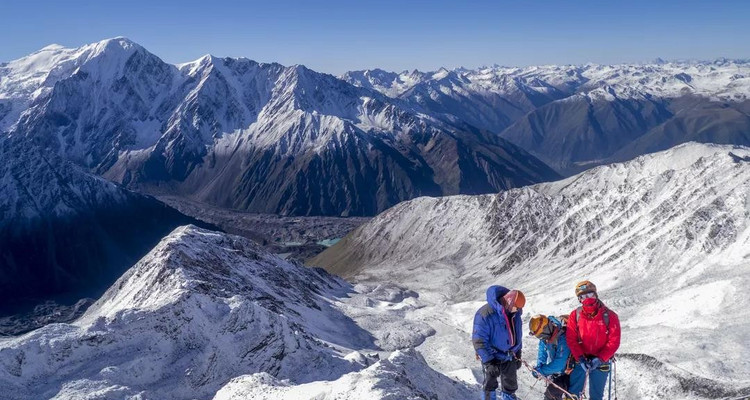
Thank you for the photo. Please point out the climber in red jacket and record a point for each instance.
(593, 336)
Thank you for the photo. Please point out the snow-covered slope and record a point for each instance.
(64, 232)
(201, 308)
(573, 117)
(404, 376)
(206, 312)
(247, 135)
(666, 238)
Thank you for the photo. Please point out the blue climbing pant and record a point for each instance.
(597, 381)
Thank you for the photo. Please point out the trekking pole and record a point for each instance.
(544, 378)
(583, 389)
(614, 365)
(610, 380)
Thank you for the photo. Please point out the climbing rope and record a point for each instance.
(549, 381)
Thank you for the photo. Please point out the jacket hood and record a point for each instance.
(555, 321)
(493, 293)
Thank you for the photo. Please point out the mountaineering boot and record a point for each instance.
(489, 395)
(508, 396)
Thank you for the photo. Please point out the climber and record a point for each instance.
(553, 355)
(593, 335)
(497, 335)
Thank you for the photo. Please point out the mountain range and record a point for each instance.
(251, 136)
(575, 117)
(263, 137)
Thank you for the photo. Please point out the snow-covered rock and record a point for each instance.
(200, 309)
(665, 237)
(403, 376)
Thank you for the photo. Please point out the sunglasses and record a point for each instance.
(586, 296)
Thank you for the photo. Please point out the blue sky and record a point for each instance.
(336, 36)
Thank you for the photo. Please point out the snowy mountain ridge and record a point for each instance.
(199, 309)
(207, 314)
(246, 135)
(720, 80)
(576, 117)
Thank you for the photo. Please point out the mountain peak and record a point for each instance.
(195, 260)
(52, 47)
(116, 45)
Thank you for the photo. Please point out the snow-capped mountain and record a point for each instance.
(247, 135)
(665, 237)
(200, 309)
(66, 233)
(574, 117)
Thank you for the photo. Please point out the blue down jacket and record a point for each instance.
(553, 357)
(497, 334)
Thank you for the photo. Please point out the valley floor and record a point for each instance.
(295, 237)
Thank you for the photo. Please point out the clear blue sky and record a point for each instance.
(336, 36)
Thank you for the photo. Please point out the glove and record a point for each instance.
(492, 368)
(595, 363)
(519, 364)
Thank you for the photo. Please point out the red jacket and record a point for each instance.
(588, 336)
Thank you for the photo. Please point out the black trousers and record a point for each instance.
(505, 370)
(554, 393)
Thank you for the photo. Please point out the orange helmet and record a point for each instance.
(537, 324)
(514, 298)
(585, 287)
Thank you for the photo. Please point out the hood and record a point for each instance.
(493, 292)
(555, 321)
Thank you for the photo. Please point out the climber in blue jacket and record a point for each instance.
(553, 355)
(497, 336)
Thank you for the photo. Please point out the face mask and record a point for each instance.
(589, 305)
